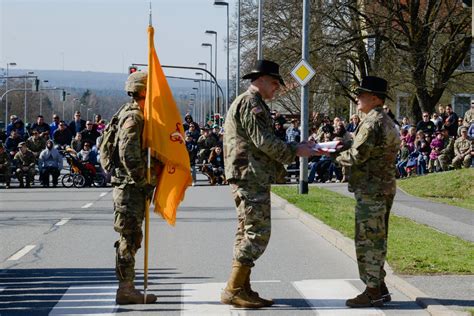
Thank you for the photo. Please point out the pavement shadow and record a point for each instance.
(81, 291)
(449, 302)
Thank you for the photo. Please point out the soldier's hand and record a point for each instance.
(149, 190)
(305, 149)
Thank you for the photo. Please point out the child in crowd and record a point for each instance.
(403, 155)
(436, 147)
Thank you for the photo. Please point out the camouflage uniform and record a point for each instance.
(27, 159)
(254, 158)
(372, 161)
(205, 145)
(129, 181)
(36, 145)
(468, 117)
(462, 153)
(446, 154)
(5, 167)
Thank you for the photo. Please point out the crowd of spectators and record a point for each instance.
(30, 149)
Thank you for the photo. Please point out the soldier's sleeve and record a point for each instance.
(259, 128)
(457, 152)
(361, 148)
(130, 148)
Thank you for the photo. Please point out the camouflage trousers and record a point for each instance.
(254, 220)
(459, 161)
(444, 160)
(5, 173)
(129, 211)
(372, 214)
(28, 174)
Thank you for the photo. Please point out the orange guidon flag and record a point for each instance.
(164, 135)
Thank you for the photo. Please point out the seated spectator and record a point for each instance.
(446, 154)
(192, 148)
(280, 131)
(426, 125)
(193, 131)
(460, 126)
(42, 127)
(77, 125)
(62, 136)
(436, 147)
(12, 142)
(88, 158)
(462, 150)
(36, 143)
(406, 123)
(215, 168)
(313, 134)
(422, 147)
(469, 116)
(5, 164)
(25, 162)
(17, 124)
(54, 125)
(355, 120)
(101, 126)
(77, 143)
(89, 134)
(410, 138)
(293, 133)
(206, 142)
(188, 119)
(325, 128)
(50, 163)
(438, 122)
(403, 155)
(451, 121)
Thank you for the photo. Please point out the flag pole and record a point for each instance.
(147, 213)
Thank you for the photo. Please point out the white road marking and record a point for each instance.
(87, 205)
(204, 299)
(104, 306)
(328, 297)
(103, 194)
(267, 281)
(21, 253)
(62, 221)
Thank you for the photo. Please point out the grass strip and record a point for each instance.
(412, 248)
(452, 187)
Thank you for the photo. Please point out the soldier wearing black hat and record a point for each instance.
(372, 162)
(254, 157)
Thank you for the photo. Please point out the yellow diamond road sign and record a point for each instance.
(303, 72)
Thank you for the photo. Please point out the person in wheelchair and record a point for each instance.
(88, 158)
(5, 166)
(50, 163)
(25, 162)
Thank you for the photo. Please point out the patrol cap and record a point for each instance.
(464, 129)
(136, 82)
(21, 144)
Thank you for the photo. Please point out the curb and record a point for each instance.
(346, 245)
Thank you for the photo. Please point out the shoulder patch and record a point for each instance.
(256, 110)
(129, 123)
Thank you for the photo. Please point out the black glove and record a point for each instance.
(148, 189)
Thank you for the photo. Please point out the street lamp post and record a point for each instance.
(210, 69)
(41, 100)
(196, 89)
(25, 106)
(260, 26)
(210, 86)
(224, 3)
(87, 113)
(237, 76)
(6, 96)
(202, 94)
(215, 58)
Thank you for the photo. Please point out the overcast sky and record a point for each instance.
(109, 35)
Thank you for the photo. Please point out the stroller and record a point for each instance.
(81, 174)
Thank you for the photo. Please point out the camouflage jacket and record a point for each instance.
(4, 159)
(372, 155)
(462, 147)
(36, 145)
(468, 117)
(131, 167)
(252, 151)
(26, 159)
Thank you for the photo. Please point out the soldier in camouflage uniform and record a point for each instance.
(462, 150)
(446, 154)
(253, 157)
(36, 143)
(5, 166)
(469, 116)
(25, 161)
(372, 161)
(130, 190)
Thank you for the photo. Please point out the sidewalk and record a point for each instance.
(456, 291)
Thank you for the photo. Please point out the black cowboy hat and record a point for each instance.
(375, 85)
(265, 67)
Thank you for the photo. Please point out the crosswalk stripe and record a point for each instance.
(87, 205)
(204, 299)
(62, 221)
(103, 194)
(21, 253)
(103, 306)
(328, 297)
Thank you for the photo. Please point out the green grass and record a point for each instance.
(412, 248)
(452, 187)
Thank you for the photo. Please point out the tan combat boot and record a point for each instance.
(371, 297)
(234, 293)
(127, 294)
(254, 294)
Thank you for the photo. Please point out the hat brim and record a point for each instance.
(255, 75)
(359, 90)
